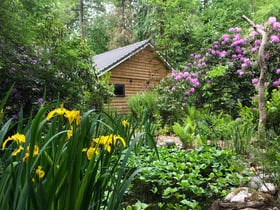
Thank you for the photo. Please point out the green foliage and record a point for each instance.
(273, 111)
(172, 104)
(184, 180)
(42, 55)
(216, 17)
(3, 103)
(188, 132)
(216, 72)
(54, 164)
(215, 127)
(269, 158)
(144, 103)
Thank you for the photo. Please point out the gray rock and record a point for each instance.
(255, 182)
(268, 188)
(238, 195)
(241, 196)
(169, 142)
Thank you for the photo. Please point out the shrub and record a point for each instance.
(144, 103)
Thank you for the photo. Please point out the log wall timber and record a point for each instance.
(139, 73)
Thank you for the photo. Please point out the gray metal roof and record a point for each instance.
(106, 61)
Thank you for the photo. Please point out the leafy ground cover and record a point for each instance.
(181, 179)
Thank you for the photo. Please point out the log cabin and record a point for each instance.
(133, 69)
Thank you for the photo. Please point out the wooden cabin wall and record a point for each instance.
(139, 73)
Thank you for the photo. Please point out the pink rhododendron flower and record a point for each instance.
(253, 34)
(254, 49)
(236, 37)
(215, 42)
(258, 42)
(255, 81)
(260, 27)
(276, 83)
(271, 20)
(173, 74)
(197, 56)
(225, 37)
(274, 38)
(178, 77)
(238, 30)
(231, 30)
(277, 71)
(223, 54)
(240, 72)
(276, 26)
(186, 74)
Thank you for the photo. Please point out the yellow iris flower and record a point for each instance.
(18, 138)
(109, 140)
(70, 115)
(125, 123)
(91, 151)
(27, 154)
(73, 115)
(69, 133)
(19, 149)
(58, 111)
(40, 173)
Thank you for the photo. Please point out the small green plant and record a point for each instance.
(186, 133)
(242, 135)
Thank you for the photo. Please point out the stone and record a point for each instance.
(268, 188)
(241, 196)
(255, 182)
(238, 195)
(169, 142)
(249, 209)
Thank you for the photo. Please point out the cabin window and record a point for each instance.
(119, 90)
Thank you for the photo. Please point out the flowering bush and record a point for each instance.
(227, 72)
(65, 160)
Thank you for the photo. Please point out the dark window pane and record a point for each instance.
(119, 90)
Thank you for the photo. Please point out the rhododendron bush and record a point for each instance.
(227, 73)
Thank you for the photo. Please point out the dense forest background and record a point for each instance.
(46, 46)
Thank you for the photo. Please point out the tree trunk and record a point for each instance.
(262, 79)
(81, 17)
